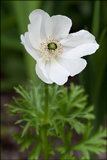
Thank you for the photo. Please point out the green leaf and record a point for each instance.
(19, 121)
(26, 140)
(18, 138)
(34, 154)
(89, 109)
(37, 128)
(61, 149)
(68, 137)
(37, 99)
(94, 143)
(78, 126)
(87, 131)
(89, 116)
(97, 136)
(26, 127)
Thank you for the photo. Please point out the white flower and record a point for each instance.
(57, 53)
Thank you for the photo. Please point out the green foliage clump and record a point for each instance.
(68, 111)
(94, 143)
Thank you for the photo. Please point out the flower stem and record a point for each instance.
(46, 154)
(46, 104)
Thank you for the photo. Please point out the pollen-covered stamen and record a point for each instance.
(51, 48)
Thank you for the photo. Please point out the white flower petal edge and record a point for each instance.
(42, 63)
(41, 75)
(74, 66)
(78, 38)
(27, 44)
(36, 13)
(58, 74)
(45, 16)
(58, 26)
(34, 32)
(82, 50)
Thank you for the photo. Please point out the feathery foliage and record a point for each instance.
(67, 107)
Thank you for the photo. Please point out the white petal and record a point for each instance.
(26, 42)
(78, 38)
(66, 49)
(82, 50)
(36, 13)
(41, 75)
(42, 65)
(58, 74)
(34, 32)
(58, 26)
(74, 66)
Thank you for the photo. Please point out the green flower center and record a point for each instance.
(52, 46)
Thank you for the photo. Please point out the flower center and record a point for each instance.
(51, 48)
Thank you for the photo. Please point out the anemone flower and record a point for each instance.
(57, 53)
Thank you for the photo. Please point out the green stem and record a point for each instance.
(46, 104)
(46, 155)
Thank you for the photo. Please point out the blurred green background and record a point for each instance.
(17, 65)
